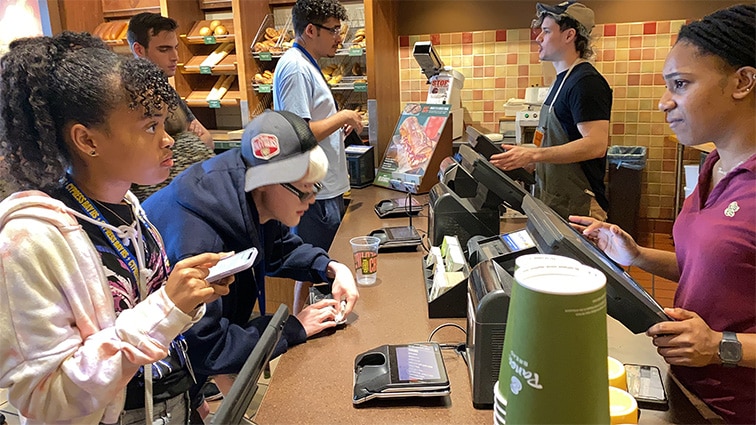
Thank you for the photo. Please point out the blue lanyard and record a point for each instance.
(315, 64)
(95, 214)
(92, 211)
(307, 55)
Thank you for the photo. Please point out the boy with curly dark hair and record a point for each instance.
(299, 87)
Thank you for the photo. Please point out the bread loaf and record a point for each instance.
(271, 33)
(115, 30)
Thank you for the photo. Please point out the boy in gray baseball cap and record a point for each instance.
(245, 197)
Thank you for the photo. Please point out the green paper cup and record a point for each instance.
(553, 366)
(543, 260)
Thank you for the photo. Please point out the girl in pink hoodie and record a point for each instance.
(88, 300)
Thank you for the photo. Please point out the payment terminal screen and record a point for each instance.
(417, 363)
(517, 241)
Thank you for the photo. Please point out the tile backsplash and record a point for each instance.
(501, 64)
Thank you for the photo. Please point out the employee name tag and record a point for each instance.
(538, 137)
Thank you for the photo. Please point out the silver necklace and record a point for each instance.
(131, 213)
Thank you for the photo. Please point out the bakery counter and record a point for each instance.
(313, 381)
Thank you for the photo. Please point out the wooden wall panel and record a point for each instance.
(442, 16)
(125, 8)
(80, 15)
(381, 20)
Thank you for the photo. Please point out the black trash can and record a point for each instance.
(626, 163)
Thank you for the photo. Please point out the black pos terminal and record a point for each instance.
(466, 203)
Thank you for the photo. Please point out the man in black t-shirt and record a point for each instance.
(573, 129)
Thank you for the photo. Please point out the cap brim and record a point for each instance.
(541, 7)
(284, 171)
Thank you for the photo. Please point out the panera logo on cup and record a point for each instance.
(519, 366)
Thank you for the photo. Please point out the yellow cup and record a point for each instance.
(623, 409)
(617, 376)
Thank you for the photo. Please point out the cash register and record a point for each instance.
(467, 201)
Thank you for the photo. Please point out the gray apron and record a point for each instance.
(563, 187)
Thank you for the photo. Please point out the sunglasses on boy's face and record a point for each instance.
(303, 196)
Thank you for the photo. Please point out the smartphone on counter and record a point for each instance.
(232, 265)
(645, 383)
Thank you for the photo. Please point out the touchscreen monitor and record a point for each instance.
(415, 363)
(486, 147)
(491, 178)
(626, 300)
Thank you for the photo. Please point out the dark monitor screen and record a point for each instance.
(493, 179)
(626, 301)
(236, 402)
(486, 147)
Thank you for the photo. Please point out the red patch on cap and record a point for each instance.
(265, 146)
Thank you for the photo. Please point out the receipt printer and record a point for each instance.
(488, 292)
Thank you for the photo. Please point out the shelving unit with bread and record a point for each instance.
(113, 33)
(345, 73)
(213, 67)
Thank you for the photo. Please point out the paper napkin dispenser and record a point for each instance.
(489, 290)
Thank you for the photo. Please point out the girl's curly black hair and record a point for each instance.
(728, 33)
(49, 83)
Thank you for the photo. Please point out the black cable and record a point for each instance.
(439, 327)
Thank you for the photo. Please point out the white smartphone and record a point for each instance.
(232, 265)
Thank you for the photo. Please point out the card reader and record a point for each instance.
(399, 238)
(397, 207)
(398, 371)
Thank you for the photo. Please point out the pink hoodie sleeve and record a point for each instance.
(63, 354)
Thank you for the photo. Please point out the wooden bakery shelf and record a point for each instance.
(198, 98)
(227, 65)
(193, 35)
(201, 40)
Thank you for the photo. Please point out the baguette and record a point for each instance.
(124, 31)
(115, 30)
(97, 32)
(106, 30)
(214, 91)
(225, 85)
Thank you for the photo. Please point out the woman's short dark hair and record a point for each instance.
(49, 83)
(306, 12)
(728, 33)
